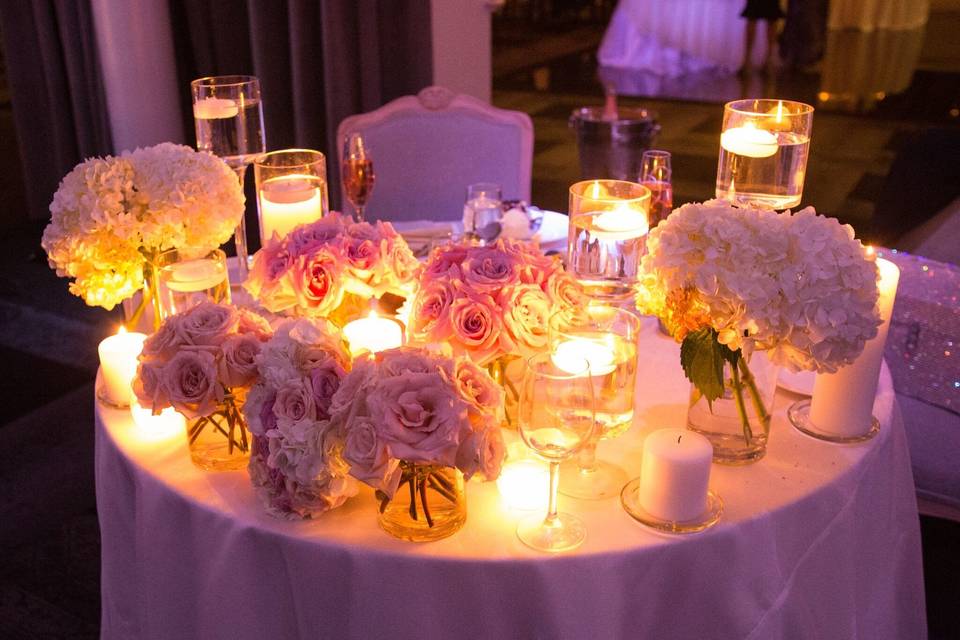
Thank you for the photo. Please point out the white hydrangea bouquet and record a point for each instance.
(112, 215)
(726, 281)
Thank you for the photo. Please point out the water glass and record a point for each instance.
(764, 147)
(656, 175)
(184, 280)
(291, 190)
(483, 212)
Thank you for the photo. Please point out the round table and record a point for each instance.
(816, 541)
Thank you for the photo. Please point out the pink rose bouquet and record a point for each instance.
(201, 362)
(329, 266)
(489, 302)
(297, 467)
(404, 413)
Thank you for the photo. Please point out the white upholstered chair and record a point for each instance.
(427, 148)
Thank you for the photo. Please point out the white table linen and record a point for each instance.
(816, 541)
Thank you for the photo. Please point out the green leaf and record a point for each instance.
(702, 357)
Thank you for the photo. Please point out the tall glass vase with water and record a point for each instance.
(228, 114)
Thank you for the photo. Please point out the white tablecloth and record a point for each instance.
(816, 541)
(676, 37)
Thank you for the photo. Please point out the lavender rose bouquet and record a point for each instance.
(201, 362)
(296, 466)
(403, 414)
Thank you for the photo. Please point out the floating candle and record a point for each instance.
(288, 201)
(749, 141)
(195, 275)
(215, 109)
(570, 354)
(675, 474)
(525, 484)
(118, 365)
(621, 223)
(372, 334)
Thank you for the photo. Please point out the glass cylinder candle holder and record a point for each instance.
(291, 190)
(764, 147)
(184, 280)
(609, 221)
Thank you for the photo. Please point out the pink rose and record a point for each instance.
(324, 381)
(526, 311)
(482, 451)
(294, 408)
(476, 325)
(252, 323)
(487, 269)
(165, 343)
(190, 380)
(369, 457)
(148, 386)
(238, 366)
(535, 266)
(207, 324)
(267, 416)
(477, 387)
(445, 262)
(419, 416)
(317, 282)
(400, 263)
(430, 317)
(564, 291)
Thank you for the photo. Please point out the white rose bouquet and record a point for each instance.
(726, 281)
(112, 214)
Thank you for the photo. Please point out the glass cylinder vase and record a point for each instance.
(291, 190)
(429, 504)
(737, 424)
(506, 371)
(184, 279)
(220, 441)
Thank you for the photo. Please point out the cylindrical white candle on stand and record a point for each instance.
(118, 366)
(842, 403)
(675, 474)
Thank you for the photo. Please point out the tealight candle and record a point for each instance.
(372, 334)
(749, 141)
(570, 354)
(195, 275)
(288, 201)
(151, 428)
(118, 365)
(524, 484)
(675, 474)
(621, 223)
(214, 108)
(842, 402)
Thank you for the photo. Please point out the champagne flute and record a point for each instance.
(656, 175)
(356, 172)
(228, 115)
(606, 335)
(555, 420)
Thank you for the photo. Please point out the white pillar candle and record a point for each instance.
(214, 108)
(675, 474)
(118, 365)
(195, 275)
(570, 354)
(288, 201)
(842, 402)
(749, 141)
(153, 428)
(525, 484)
(372, 334)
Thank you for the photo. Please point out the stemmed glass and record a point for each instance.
(606, 336)
(555, 420)
(356, 172)
(656, 175)
(228, 115)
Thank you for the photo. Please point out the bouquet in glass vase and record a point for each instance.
(332, 268)
(728, 282)
(201, 362)
(414, 425)
(296, 466)
(112, 216)
(491, 304)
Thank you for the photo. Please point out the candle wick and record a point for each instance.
(678, 439)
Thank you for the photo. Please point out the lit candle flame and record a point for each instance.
(779, 111)
(121, 330)
(596, 190)
(870, 251)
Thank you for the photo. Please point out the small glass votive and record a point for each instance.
(291, 190)
(609, 221)
(483, 212)
(764, 147)
(185, 280)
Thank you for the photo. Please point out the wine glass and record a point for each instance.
(555, 418)
(606, 335)
(356, 172)
(656, 175)
(228, 115)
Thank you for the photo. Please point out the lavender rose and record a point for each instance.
(307, 238)
(325, 381)
(369, 457)
(206, 324)
(163, 344)
(476, 325)
(294, 408)
(148, 386)
(430, 318)
(238, 366)
(445, 262)
(487, 269)
(190, 380)
(477, 387)
(482, 451)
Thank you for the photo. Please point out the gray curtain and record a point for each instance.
(58, 100)
(318, 61)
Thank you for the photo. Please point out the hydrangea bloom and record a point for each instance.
(796, 284)
(109, 213)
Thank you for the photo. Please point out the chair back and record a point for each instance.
(427, 148)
